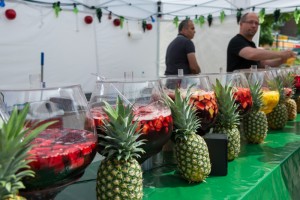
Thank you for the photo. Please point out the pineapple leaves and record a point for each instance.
(15, 143)
(184, 113)
(256, 94)
(228, 114)
(122, 133)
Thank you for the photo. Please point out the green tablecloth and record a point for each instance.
(265, 171)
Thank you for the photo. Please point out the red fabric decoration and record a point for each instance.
(88, 19)
(117, 22)
(10, 14)
(149, 27)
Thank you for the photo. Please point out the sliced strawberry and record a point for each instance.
(199, 105)
(146, 129)
(209, 104)
(167, 129)
(34, 164)
(165, 124)
(158, 124)
(73, 155)
(56, 162)
(86, 148)
(43, 162)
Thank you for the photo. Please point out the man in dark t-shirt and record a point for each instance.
(235, 61)
(242, 51)
(181, 51)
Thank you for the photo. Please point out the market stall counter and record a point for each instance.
(265, 171)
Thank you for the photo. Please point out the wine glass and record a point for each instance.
(240, 88)
(266, 80)
(63, 150)
(153, 115)
(202, 96)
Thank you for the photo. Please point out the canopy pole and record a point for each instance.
(159, 15)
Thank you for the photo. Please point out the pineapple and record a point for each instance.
(279, 116)
(290, 103)
(120, 175)
(291, 107)
(255, 123)
(227, 121)
(298, 103)
(191, 151)
(14, 158)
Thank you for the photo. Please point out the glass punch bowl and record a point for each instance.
(151, 112)
(62, 151)
(203, 97)
(240, 88)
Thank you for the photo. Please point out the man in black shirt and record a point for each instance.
(242, 51)
(181, 51)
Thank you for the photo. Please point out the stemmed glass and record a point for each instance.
(203, 97)
(240, 88)
(62, 151)
(153, 115)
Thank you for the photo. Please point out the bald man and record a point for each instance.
(181, 51)
(242, 51)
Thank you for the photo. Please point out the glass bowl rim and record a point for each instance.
(129, 80)
(41, 89)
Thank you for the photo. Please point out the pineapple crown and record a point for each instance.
(289, 82)
(121, 139)
(277, 83)
(184, 115)
(15, 143)
(256, 94)
(228, 116)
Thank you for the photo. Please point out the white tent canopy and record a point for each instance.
(73, 49)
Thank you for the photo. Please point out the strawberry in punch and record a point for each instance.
(58, 154)
(243, 98)
(206, 104)
(207, 109)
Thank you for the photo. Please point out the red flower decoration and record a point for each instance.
(117, 22)
(10, 14)
(149, 27)
(88, 19)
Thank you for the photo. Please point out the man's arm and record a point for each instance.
(194, 67)
(272, 58)
(272, 63)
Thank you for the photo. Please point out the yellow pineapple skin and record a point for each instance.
(193, 158)
(234, 141)
(278, 117)
(255, 127)
(119, 179)
(291, 107)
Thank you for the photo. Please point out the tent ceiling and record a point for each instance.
(143, 9)
(171, 8)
